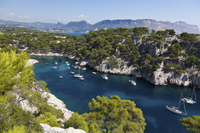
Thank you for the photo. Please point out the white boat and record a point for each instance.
(55, 67)
(132, 82)
(66, 62)
(71, 72)
(75, 66)
(190, 100)
(104, 77)
(81, 78)
(56, 62)
(176, 109)
(94, 72)
(84, 68)
(61, 77)
(78, 75)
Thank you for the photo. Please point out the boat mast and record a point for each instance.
(184, 106)
(181, 96)
(195, 94)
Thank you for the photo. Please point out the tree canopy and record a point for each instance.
(191, 124)
(111, 115)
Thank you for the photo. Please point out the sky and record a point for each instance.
(93, 11)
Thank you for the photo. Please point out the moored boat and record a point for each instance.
(176, 109)
(133, 82)
(190, 100)
(94, 72)
(81, 78)
(104, 77)
(71, 72)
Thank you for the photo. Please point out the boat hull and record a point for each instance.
(188, 100)
(174, 110)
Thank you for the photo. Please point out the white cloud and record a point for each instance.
(12, 14)
(81, 16)
(58, 19)
(1, 9)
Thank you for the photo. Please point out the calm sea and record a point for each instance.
(151, 99)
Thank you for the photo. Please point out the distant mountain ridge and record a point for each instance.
(83, 26)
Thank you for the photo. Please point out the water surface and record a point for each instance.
(151, 99)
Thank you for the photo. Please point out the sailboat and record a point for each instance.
(104, 77)
(190, 99)
(81, 78)
(78, 75)
(133, 81)
(176, 109)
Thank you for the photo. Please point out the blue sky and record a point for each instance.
(92, 11)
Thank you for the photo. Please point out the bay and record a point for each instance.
(74, 33)
(151, 99)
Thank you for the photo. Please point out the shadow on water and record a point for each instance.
(151, 99)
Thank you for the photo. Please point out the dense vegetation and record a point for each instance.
(16, 82)
(191, 124)
(112, 44)
(109, 116)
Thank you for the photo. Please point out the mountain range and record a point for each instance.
(83, 26)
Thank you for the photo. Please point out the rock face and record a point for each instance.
(52, 100)
(58, 104)
(48, 129)
(31, 62)
(158, 77)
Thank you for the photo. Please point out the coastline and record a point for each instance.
(51, 99)
(157, 78)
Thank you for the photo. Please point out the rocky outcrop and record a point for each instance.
(48, 129)
(58, 104)
(31, 62)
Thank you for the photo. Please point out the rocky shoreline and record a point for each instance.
(189, 78)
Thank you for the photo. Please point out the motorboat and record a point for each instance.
(84, 68)
(71, 72)
(133, 82)
(104, 77)
(78, 75)
(56, 62)
(94, 72)
(55, 67)
(61, 77)
(81, 78)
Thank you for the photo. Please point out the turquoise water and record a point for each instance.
(151, 99)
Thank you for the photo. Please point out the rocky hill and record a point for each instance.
(83, 26)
